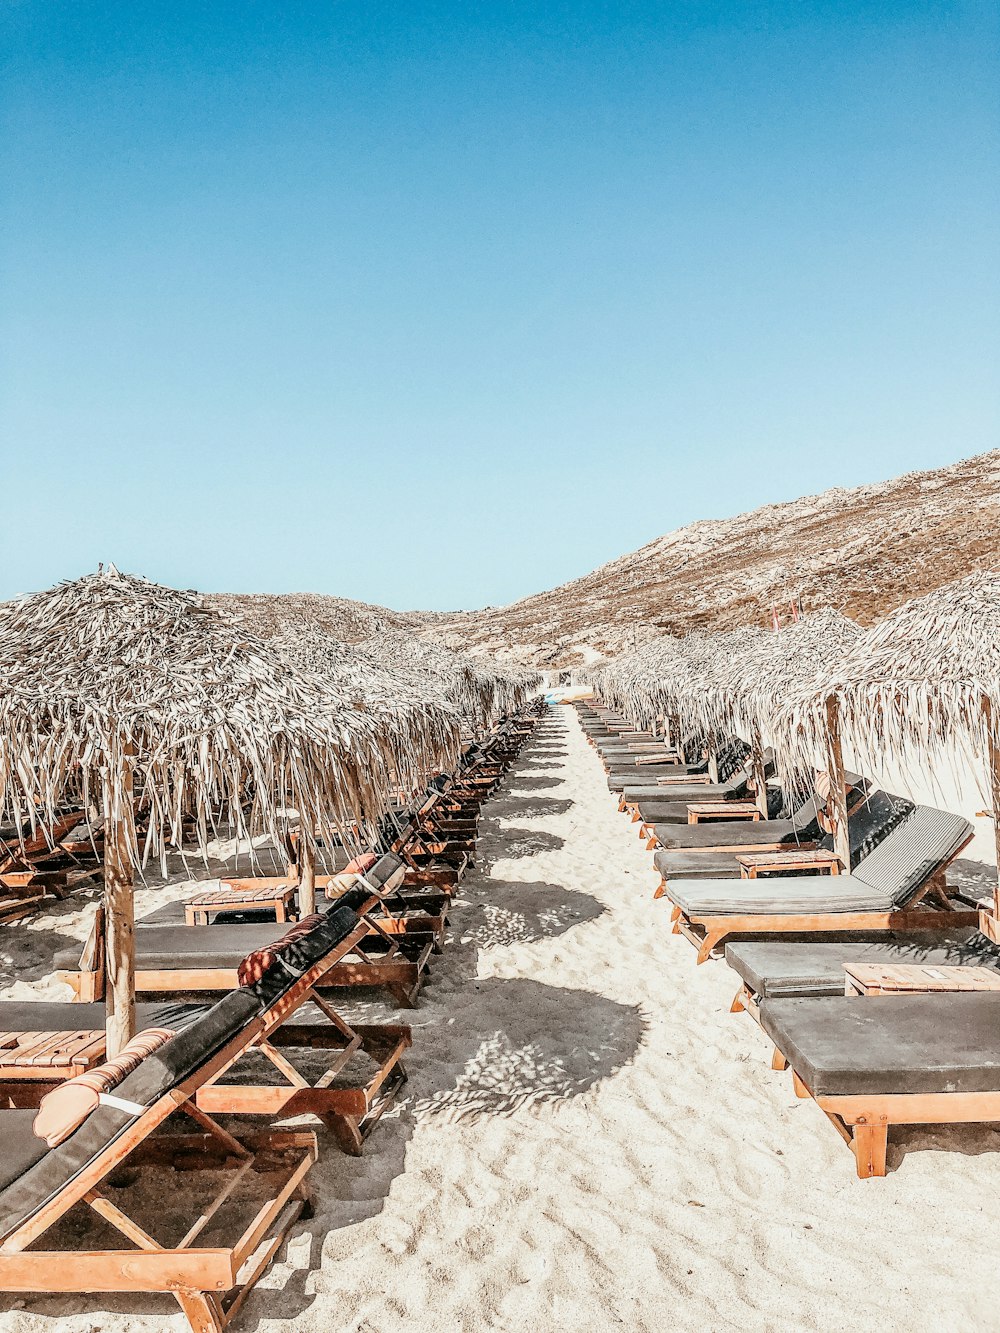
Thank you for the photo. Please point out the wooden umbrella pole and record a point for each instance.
(993, 760)
(837, 801)
(119, 920)
(757, 772)
(713, 758)
(307, 875)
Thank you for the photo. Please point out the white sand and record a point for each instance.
(589, 1140)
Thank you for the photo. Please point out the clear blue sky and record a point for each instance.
(441, 304)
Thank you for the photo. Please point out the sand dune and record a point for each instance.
(589, 1140)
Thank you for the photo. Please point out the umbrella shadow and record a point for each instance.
(532, 807)
(498, 843)
(533, 784)
(508, 912)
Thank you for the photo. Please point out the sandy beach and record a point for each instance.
(589, 1139)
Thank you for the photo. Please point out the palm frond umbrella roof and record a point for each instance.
(728, 682)
(478, 691)
(421, 726)
(926, 676)
(746, 675)
(270, 614)
(642, 683)
(110, 674)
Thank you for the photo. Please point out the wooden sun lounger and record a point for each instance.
(349, 1107)
(237, 1229)
(905, 872)
(810, 966)
(872, 1063)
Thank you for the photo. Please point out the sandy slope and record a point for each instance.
(589, 1139)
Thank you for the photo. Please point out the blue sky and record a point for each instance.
(438, 305)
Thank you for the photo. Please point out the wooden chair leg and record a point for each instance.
(661, 889)
(712, 938)
(737, 1006)
(799, 1087)
(344, 1129)
(202, 1309)
(778, 1061)
(869, 1144)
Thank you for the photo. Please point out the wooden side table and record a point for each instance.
(700, 812)
(49, 1057)
(910, 978)
(277, 897)
(753, 864)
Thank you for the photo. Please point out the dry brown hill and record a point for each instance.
(863, 550)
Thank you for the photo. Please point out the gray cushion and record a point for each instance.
(889, 1044)
(655, 800)
(66, 1016)
(800, 895)
(915, 849)
(21, 1149)
(696, 865)
(735, 833)
(814, 966)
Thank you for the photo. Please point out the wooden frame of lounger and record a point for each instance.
(401, 976)
(706, 933)
(349, 1113)
(863, 1119)
(206, 1282)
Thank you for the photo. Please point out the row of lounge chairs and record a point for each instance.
(201, 1054)
(818, 956)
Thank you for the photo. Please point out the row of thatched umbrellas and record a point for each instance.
(921, 685)
(121, 694)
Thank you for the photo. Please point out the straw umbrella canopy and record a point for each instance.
(127, 691)
(479, 692)
(639, 683)
(926, 677)
(727, 683)
(745, 675)
(421, 727)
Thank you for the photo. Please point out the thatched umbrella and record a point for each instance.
(926, 677)
(421, 728)
(480, 691)
(727, 683)
(655, 680)
(745, 675)
(113, 685)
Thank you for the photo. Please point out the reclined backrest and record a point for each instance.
(304, 953)
(54, 1168)
(916, 847)
(872, 822)
(190, 1048)
(732, 757)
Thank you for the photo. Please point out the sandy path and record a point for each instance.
(589, 1139)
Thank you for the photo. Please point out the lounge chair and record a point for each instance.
(55, 1041)
(173, 958)
(885, 891)
(873, 1062)
(807, 966)
(870, 818)
(668, 803)
(261, 1194)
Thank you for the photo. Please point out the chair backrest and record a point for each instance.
(189, 1049)
(913, 851)
(871, 822)
(175, 1061)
